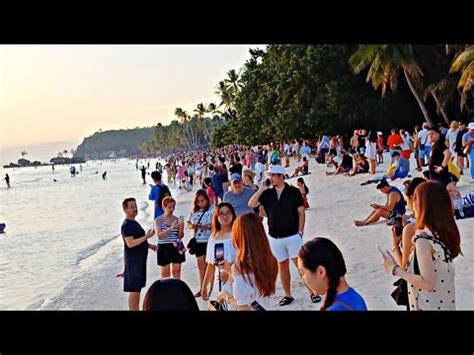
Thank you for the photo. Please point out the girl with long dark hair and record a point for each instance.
(323, 269)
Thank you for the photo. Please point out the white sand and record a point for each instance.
(335, 201)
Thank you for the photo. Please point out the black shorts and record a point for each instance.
(333, 152)
(201, 249)
(134, 275)
(461, 154)
(167, 254)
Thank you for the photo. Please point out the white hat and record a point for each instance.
(276, 169)
(471, 125)
(379, 133)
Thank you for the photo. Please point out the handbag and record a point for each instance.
(192, 244)
(400, 294)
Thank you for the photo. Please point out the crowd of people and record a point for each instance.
(241, 188)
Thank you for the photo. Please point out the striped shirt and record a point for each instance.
(171, 237)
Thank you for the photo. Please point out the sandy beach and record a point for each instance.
(335, 201)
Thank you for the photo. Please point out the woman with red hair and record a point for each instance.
(255, 269)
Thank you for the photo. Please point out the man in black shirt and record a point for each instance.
(284, 208)
(135, 253)
(440, 157)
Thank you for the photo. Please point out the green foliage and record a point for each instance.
(124, 142)
(300, 91)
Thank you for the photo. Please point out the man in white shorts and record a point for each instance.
(284, 208)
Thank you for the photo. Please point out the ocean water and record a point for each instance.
(56, 230)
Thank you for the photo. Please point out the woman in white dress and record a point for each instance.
(221, 235)
(371, 151)
(436, 244)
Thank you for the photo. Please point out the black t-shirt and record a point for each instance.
(436, 159)
(236, 168)
(458, 147)
(361, 140)
(283, 218)
(346, 161)
(133, 229)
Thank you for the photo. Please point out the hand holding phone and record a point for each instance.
(381, 251)
(218, 253)
(255, 306)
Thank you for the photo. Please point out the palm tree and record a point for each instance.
(464, 63)
(225, 95)
(189, 134)
(23, 153)
(212, 109)
(441, 93)
(233, 83)
(385, 61)
(72, 152)
(200, 111)
(65, 152)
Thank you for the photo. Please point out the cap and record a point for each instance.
(276, 169)
(379, 133)
(471, 125)
(235, 177)
(382, 183)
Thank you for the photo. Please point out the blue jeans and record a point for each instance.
(425, 152)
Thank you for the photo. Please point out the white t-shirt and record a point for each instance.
(245, 292)
(202, 235)
(229, 255)
(423, 135)
(406, 141)
(451, 138)
(260, 173)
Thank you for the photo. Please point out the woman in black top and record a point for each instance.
(440, 157)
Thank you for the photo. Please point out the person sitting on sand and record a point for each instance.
(303, 169)
(399, 168)
(344, 167)
(361, 165)
(395, 205)
(304, 191)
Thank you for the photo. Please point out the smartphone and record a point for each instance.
(268, 182)
(380, 250)
(218, 253)
(256, 306)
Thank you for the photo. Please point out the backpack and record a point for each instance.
(162, 193)
(453, 170)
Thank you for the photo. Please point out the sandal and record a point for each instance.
(197, 295)
(315, 298)
(286, 300)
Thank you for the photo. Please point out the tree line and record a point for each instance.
(299, 91)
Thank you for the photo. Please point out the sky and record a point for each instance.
(54, 96)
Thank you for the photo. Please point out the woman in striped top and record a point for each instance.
(170, 232)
